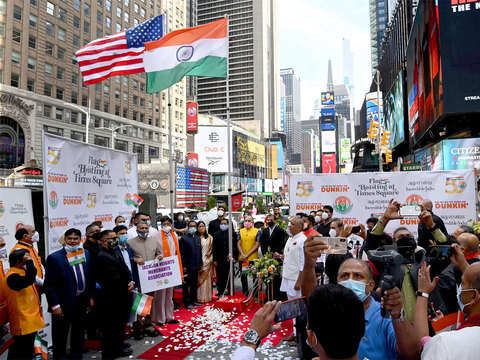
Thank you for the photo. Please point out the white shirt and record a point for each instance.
(293, 263)
(243, 353)
(454, 345)
(126, 257)
(132, 232)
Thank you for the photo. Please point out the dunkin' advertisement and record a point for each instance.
(356, 197)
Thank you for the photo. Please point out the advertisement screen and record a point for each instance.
(394, 113)
(329, 163)
(192, 117)
(461, 154)
(328, 141)
(210, 145)
(372, 107)
(327, 111)
(328, 98)
(328, 122)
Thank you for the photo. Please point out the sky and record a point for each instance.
(311, 32)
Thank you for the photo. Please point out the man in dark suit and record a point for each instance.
(425, 234)
(274, 238)
(114, 296)
(220, 247)
(69, 288)
(214, 225)
(191, 250)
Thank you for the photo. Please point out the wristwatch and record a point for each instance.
(251, 337)
(402, 317)
(425, 295)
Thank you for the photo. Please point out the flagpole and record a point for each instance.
(170, 143)
(229, 155)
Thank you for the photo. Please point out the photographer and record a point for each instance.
(384, 338)
(425, 231)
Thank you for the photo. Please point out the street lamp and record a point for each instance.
(114, 130)
(87, 114)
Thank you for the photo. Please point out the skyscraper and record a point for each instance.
(292, 113)
(330, 76)
(378, 24)
(253, 64)
(41, 87)
(348, 72)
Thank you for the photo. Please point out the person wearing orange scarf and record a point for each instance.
(163, 305)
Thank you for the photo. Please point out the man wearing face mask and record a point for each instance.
(461, 343)
(116, 285)
(120, 220)
(220, 248)
(180, 225)
(146, 248)
(144, 218)
(308, 222)
(324, 227)
(69, 288)
(191, 250)
(214, 225)
(247, 244)
(26, 236)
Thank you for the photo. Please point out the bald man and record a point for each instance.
(469, 244)
(424, 233)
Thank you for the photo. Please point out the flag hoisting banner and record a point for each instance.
(196, 51)
(356, 197)
(85, 183)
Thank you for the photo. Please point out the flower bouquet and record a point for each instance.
(265, 270)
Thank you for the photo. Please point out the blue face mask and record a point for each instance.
(71, 248)
(192, 230)
(142, 235)
(357, 287)
(223, 227)
(123, 239)
(148, 222)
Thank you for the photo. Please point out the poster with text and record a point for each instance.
(157, 275)
(356, 197)
(211, 147)
(86, 183)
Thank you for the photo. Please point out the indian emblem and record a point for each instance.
(184, 53)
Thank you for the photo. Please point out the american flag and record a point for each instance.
(192, 187)
(118, 54)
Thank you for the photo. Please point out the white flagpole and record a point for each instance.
(170, 142)
(229, 154)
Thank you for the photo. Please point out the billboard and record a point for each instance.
(274, 162)
(327, 111)
(345, 151)
(329, 141)
(279, 154)
(328, 98)
(329, 163)
(192, 160)
(317, 152)
(394, 112)
(282, 113)
(210, 145)
(192, 117)
(461, 154)
(371, 100)
(328, 122)
(192, 186)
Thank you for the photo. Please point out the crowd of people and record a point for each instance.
(379, 300)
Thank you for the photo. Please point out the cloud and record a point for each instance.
(311, 32)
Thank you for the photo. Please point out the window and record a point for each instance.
(118, 27)
(125, 112)
(99, 16)
(106, 90)
(76, 4)
(84, 100)
(126, 17)
(60, 53)
(97, 105)
(86, 27)
(59, 93)
(125, 81)
(127, 3)
(99, 33)
(121, 145)
(117, 110)
(31, 63)
(49, 28)
(119, 12)
(142, 86)
(53, 130)
(100, 2)
(135, 7)
(58, 114)
(154, 152)
(33, 2)
(15, 80)
(74, 117)
(76, 40)
(77, 135)
(48, 69)
(76, 22)
(32, 41)
(16, 58)
(135, 99)
(47, 90)
(50, 8)
(138, 149)
(2, 29)
(75, 78)
(30, 85)
(100, 141)
(142, 102)
(47, 111)
(117, 79)
(98, 87)
(86, 9)
(108, 22)
(108, 5)
(135, 22)
(16, 35)
(125, 96)
(17, 12)
(74, 98)
(61, 34)
(135, 114)
(49, 48)
(117, 94)
(106, 107)
(60, 73)
(135, 84)
(62, 14)
(142, 12)
(33, 21)
(142, 118)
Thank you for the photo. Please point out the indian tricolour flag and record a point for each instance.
(142, 304)
(40, 347)
(198, 51)
(76, 257)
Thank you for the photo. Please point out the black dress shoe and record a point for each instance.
(173, 321)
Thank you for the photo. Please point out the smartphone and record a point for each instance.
(291, 309)
(356, 229)
(410, 210)
(440, 251)
(337, 245)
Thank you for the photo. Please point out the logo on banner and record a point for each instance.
(58, 222)
(19, 225)
(304, 188)
(57, 178)
(451, 204)
(413, 199)
(455, 185)
(91, 200)
(384, 181)
(343, 204)
(53, 155)
(72, 200)
(53, 199)
(128, 167)
(2, 208)
(104, 218)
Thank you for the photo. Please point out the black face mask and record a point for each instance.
(271, 223)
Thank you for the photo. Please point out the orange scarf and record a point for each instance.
(166, 249)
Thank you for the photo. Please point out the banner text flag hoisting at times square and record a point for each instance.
(356, 197)
(85, 183)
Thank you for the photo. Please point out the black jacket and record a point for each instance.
(112, 274)
(276, 242)
(214, 226)
(324, 229)
(425, 235)
(191, 250)
(220, 247)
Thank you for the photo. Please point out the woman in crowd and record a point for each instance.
(205, 290)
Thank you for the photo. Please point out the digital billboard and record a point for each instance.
(192, 117)
(394, 112)
(371, 100)
(327, 111)
(328, 122)
(328, 98)
(328, 141)
(329, 163)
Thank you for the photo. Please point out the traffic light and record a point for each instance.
(388, 156)
(373, 130)
(385, 141)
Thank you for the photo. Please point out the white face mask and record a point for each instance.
(220, 212)
(35, 236)
(324, 216)
(167, 229)
(318, 219)
(3, 253)
(121, 223)
(332, 233)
